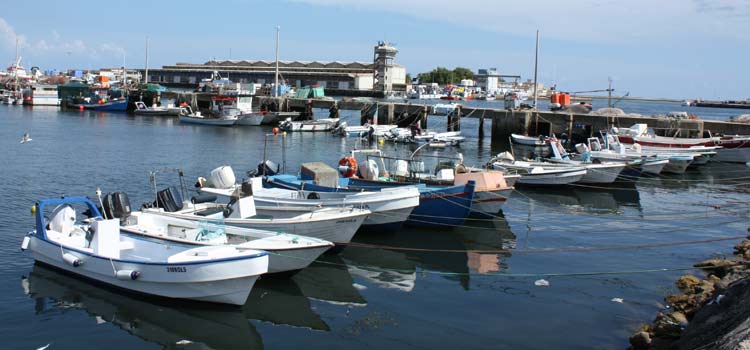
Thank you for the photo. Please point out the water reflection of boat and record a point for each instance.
(158, 321)
(328, 280)
(280, 301)
(473, 248)
(611, 198)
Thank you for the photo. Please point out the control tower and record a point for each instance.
(387, 73)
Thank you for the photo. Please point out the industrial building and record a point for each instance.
(381, 75)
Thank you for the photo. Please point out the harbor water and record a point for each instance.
(469, 286)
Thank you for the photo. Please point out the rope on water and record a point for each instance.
(546, 250)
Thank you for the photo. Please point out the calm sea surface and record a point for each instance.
(406, 298)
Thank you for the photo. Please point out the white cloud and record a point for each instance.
(8, 35)
(604, 21)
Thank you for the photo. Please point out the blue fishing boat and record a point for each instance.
(438, 206)
(108, 106)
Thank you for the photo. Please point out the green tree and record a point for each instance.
(445, 76)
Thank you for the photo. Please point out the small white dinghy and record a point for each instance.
(537, 141)
(99, 250)
(325, 124)
(287, 252)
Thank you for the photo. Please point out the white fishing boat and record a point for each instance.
(188, 117)
(389, 207)
(612, 151)
(596, 173)
(169, 111)
(537, 141)
(98, 249)
(288, 252)
(325, 124)
(337, 225)
(535, 174)
(375, 130)
(735, 149)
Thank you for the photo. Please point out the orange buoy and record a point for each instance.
(80, 107)
(348, 166)
(275, 131)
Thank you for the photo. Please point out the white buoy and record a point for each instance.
(25, 243)
(127, 275)
(72, 260)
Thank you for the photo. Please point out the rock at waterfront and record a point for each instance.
(640, 341)
(688, 283)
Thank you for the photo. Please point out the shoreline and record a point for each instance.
(711, 313)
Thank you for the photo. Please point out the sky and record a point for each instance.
(663, 48)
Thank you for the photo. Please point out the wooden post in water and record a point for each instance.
(457, 118)
(308, 110)
(423, 122)
(570, 129)
(390, 113)
(449, 121)
(481, 125)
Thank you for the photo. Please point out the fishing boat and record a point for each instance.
(646, 137)
(538, 141)
(289, 252)
(734, 148)
(365, 130)
(680, 158)
(113, 105)
(325, 124)
(390, 208)
(337, 225)
(648, 164)
(491, 190)
(536, 174)
(438, 206)
(100, 250)
(169, 111)
(596, 173)
(187, 116)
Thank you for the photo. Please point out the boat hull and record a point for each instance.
(677, 166)
(385, 208)
(228, 282)
(554, 179)
(654, 167)
(207, 121)
(438, 206)
(336, 228)
(116, 106)
(602, 174)
(251, 119)
(490, 202)
(733, 155)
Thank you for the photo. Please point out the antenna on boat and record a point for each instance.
(536, 65)
(146, 77)
(276, 76)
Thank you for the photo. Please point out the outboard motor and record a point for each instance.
(169, 199)
(116, 205)
(268, 168)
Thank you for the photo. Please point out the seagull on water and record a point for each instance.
(25, 138)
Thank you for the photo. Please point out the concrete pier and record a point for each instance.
(505, 122)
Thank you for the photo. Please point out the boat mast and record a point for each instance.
(536, 65)
(276, 77)
(146, 78)
(15, 88)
